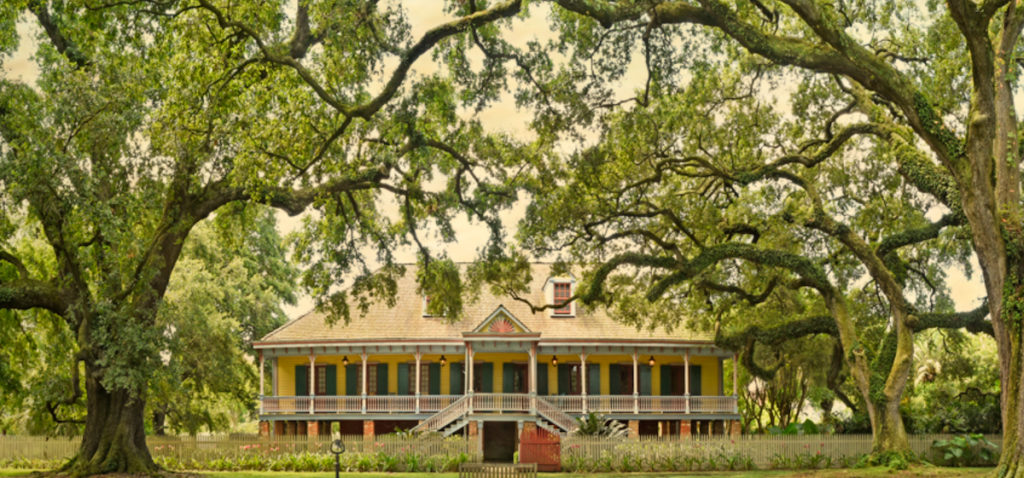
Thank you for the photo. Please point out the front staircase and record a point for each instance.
(457, 415)
(456, 411)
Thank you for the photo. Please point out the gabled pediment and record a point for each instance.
(501, 321)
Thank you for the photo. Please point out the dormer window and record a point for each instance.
(562, 293)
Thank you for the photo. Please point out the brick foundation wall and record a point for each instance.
(634, 428)
(735, 428)
(684, 428)
(313, 429)
(368, 429)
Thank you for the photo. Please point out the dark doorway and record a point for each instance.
(648, 428)
(351, 427)
(499, 441)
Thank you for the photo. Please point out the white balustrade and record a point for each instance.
(386, 404)
(285, 404)
(436, 403)
(501, 402)
(567, 403)
(335, 404)
(702, 404)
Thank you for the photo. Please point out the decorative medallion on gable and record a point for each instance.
(501, 321)
(502, 326)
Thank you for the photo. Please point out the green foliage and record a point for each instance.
(595, 425)
(806, 428)
(956, 385)
(321, 462)
(967, 450)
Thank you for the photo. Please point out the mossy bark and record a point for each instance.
(888, 434)
(115, 437)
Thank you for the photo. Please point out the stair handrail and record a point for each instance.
(555, 415)
(447, 415)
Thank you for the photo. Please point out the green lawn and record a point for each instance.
(877, 472)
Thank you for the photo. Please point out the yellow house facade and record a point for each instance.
(502, 369)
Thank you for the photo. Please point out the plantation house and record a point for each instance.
(398, 367)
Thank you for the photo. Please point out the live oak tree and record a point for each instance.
(704, 201)
(148, 118)
(228, 289)
(944, 79)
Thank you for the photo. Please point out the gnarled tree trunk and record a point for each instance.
(115, 435)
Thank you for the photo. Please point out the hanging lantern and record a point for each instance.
(554, 361)
(344, 360)
(651, 361)
(443, 360)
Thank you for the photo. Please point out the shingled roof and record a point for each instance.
(405, 320)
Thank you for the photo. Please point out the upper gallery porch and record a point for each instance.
(419, 379)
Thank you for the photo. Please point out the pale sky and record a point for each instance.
(503, 116)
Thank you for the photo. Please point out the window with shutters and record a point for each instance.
(424, 378)
(371, 383)
(562, 293)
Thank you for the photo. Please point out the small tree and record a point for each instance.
(595, 425)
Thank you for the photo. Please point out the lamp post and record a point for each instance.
(337, 447)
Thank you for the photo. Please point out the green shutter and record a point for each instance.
(563, 379)
(434, 369)
(542, 378)
(695, 380)
(301, 379)
(457, 386)
(403, 379)
(352, 380)
(594, 379)
(508, 377)
(614, 379)
(332, 380)
(382, 379)
(487, 377)
(645, 380)
(666, 379)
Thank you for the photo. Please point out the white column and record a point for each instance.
(469, 369)
(465, 373)
(418, 357)
(261, 381)
(469, 381)
(686, 378)
(364, 356)
(636, 384)
(312, 381)
(583, 380)
(532, 374)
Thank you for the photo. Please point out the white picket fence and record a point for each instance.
(186, 449)
(761, 449)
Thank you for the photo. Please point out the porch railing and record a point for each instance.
(497, 402)
(501, 402)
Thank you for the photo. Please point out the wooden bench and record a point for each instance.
(497, 470)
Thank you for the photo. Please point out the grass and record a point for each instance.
(876, 472)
